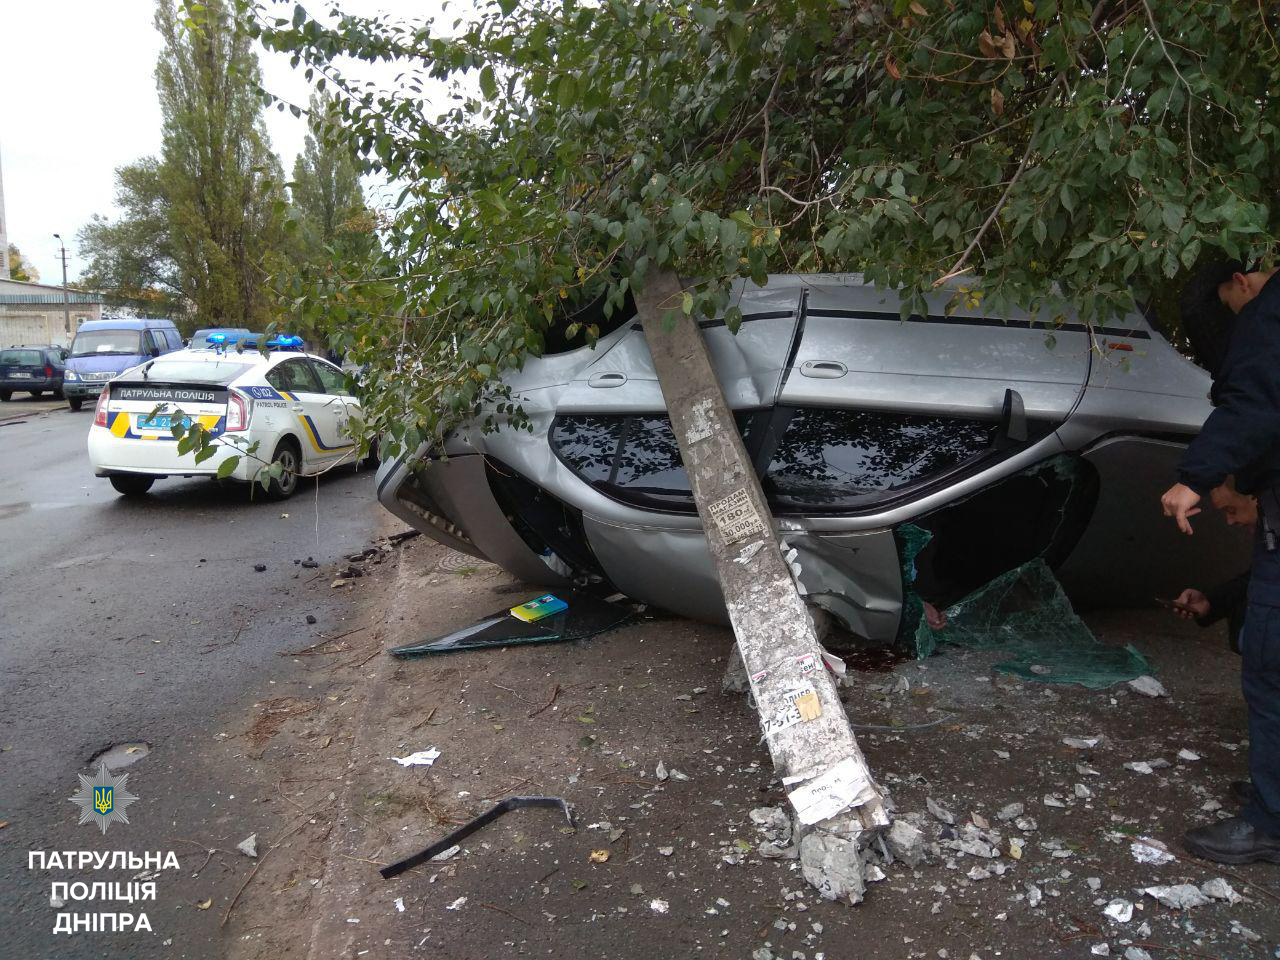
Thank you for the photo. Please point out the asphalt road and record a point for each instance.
(144, 620)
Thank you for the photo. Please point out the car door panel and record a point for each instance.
(318, 416)
(855, 351)
(749, 364)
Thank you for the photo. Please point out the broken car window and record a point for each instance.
(837, 459)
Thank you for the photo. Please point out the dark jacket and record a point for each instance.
(1242, 435)
(1228, 601)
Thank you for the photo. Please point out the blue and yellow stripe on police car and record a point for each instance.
(121, 425)
(313, 434)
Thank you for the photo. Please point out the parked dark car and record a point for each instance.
(35, 369)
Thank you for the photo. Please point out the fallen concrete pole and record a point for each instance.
(805, 726)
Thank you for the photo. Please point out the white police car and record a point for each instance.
(295, 406)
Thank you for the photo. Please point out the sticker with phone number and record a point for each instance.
(795, 705)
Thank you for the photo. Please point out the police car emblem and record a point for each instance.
(103, 799)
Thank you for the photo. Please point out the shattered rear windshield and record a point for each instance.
(221, 372)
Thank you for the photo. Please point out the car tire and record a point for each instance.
(131, 485)
(371, 459)
(284, 487)
(5, 395)
(73, 402)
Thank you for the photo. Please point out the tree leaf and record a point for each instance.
(488, 85)
(228, 466)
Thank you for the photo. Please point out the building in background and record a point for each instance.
(4, 234)
(34, 313)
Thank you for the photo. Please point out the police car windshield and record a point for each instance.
(90, 343)
(220, 372)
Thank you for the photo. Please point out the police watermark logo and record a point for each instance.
(103, 799)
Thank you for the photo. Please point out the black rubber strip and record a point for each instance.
(1133, 333)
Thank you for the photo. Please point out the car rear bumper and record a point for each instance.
(36, 383)
(157, 457)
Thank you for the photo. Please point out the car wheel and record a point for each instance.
(371, 460)
(74, 403)
(131, 485)
(5, 395)
(283, 487)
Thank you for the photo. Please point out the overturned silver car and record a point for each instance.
(1002, 439)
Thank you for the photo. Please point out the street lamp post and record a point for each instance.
(66, 298)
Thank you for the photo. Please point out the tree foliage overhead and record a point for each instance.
(132, 258)
(20, 268)
(327, 200)
(221, 181)
(1022, 147)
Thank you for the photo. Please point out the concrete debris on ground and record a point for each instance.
(249, 845)
(905, 842)
(940, 812)
(833, 866)
(1146, 850)
(1147, 766)
(1148, 686)
(1119, 910)
(1178, 896)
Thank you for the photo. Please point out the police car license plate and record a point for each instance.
(161, 421)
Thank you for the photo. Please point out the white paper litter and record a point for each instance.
(1146, 850)
(399, 904)
(844, 785)
(1121, 911)
(659, 906)
(457, 904)
(423, 758)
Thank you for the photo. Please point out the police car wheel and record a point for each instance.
(132, 485)
(371, 459)
(287, 456)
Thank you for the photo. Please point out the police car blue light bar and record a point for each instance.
(285, 342)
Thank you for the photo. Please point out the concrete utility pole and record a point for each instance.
(66, 299)
(804, 722)
(4, 234)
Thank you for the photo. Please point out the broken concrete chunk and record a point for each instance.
(249, 845)
(1034, 895)
(978, 873)
(940, 812)
(774, 823)
(1053, 800)
(1081, 743)
(1136, 953)
(1179, 896)
(1095, 883)
(1219, 889)
(1148, 686)
(832, 866)
(1188, 755)
(660, 772)
(772, 851)
(1082, 792)
(906, 843)
(1009, 811)
(735, 678)
(1147, 766)
(1240, 930)
(1026, 824)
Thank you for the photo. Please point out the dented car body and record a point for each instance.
(1003, 438)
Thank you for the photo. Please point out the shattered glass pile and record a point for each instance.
(1025, 614)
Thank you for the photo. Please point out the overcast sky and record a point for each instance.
(79, 100)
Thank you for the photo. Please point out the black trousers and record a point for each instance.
(1260, 681)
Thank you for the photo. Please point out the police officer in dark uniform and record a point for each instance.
(1242, 437)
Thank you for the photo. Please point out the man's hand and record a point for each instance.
(1179, 502)
(1197, 602)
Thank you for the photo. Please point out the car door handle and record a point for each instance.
(297, 408)
(823, 369)
(603, 381)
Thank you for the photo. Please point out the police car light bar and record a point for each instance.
(285, 342)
